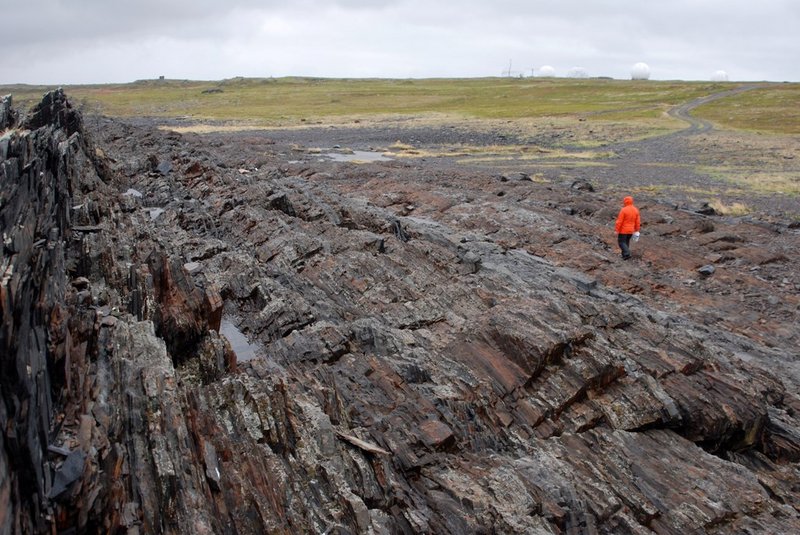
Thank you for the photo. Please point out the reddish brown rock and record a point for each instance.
(436, 435)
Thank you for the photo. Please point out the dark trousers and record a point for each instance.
(624, 241)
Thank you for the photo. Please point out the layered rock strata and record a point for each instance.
(416, 371)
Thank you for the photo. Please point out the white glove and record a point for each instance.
(635, 236)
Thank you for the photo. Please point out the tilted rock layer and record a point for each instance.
(426, 359)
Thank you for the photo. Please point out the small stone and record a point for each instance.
(582, 185)
(211, 462)
(436, 434)
(84, 297)
(192, 267)
(586, 285)
(132, 193)
(80, 283)
(164, 168)
(472, 261)
(707, 270)
(68, 473)
(706, 209)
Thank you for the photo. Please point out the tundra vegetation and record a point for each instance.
(762, 124)
(290, 102)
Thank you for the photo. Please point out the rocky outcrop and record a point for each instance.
(425, 373)
(38, 172)
(7, 114)
(65, 331)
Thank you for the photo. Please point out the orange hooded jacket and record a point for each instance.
(628, 218)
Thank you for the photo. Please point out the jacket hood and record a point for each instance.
(627, 201)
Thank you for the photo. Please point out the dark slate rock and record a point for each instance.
(7, 114)
(68, 473)
(164, 167)
(582, 185)
(707, 270)
(397, 230)
(280, 201)
(706, 209)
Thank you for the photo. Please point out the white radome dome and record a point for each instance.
(719, 76)
(547, 71)
(577, 72)
(640, 71)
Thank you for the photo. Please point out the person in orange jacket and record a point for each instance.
(627, 226)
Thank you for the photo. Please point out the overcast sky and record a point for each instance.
(99, 41)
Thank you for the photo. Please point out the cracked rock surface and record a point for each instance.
(429, 356)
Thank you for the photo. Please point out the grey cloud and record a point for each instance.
(211, 39)
(85, 20)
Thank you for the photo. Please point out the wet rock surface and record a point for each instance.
(436, 350)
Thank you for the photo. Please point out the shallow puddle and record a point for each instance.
(358, 156)
(241, 346)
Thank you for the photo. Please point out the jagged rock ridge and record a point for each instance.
(415, 374)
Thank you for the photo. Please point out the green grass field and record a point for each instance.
(297, 101)
(772, 110)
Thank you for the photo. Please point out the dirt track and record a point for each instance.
(697, 125)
